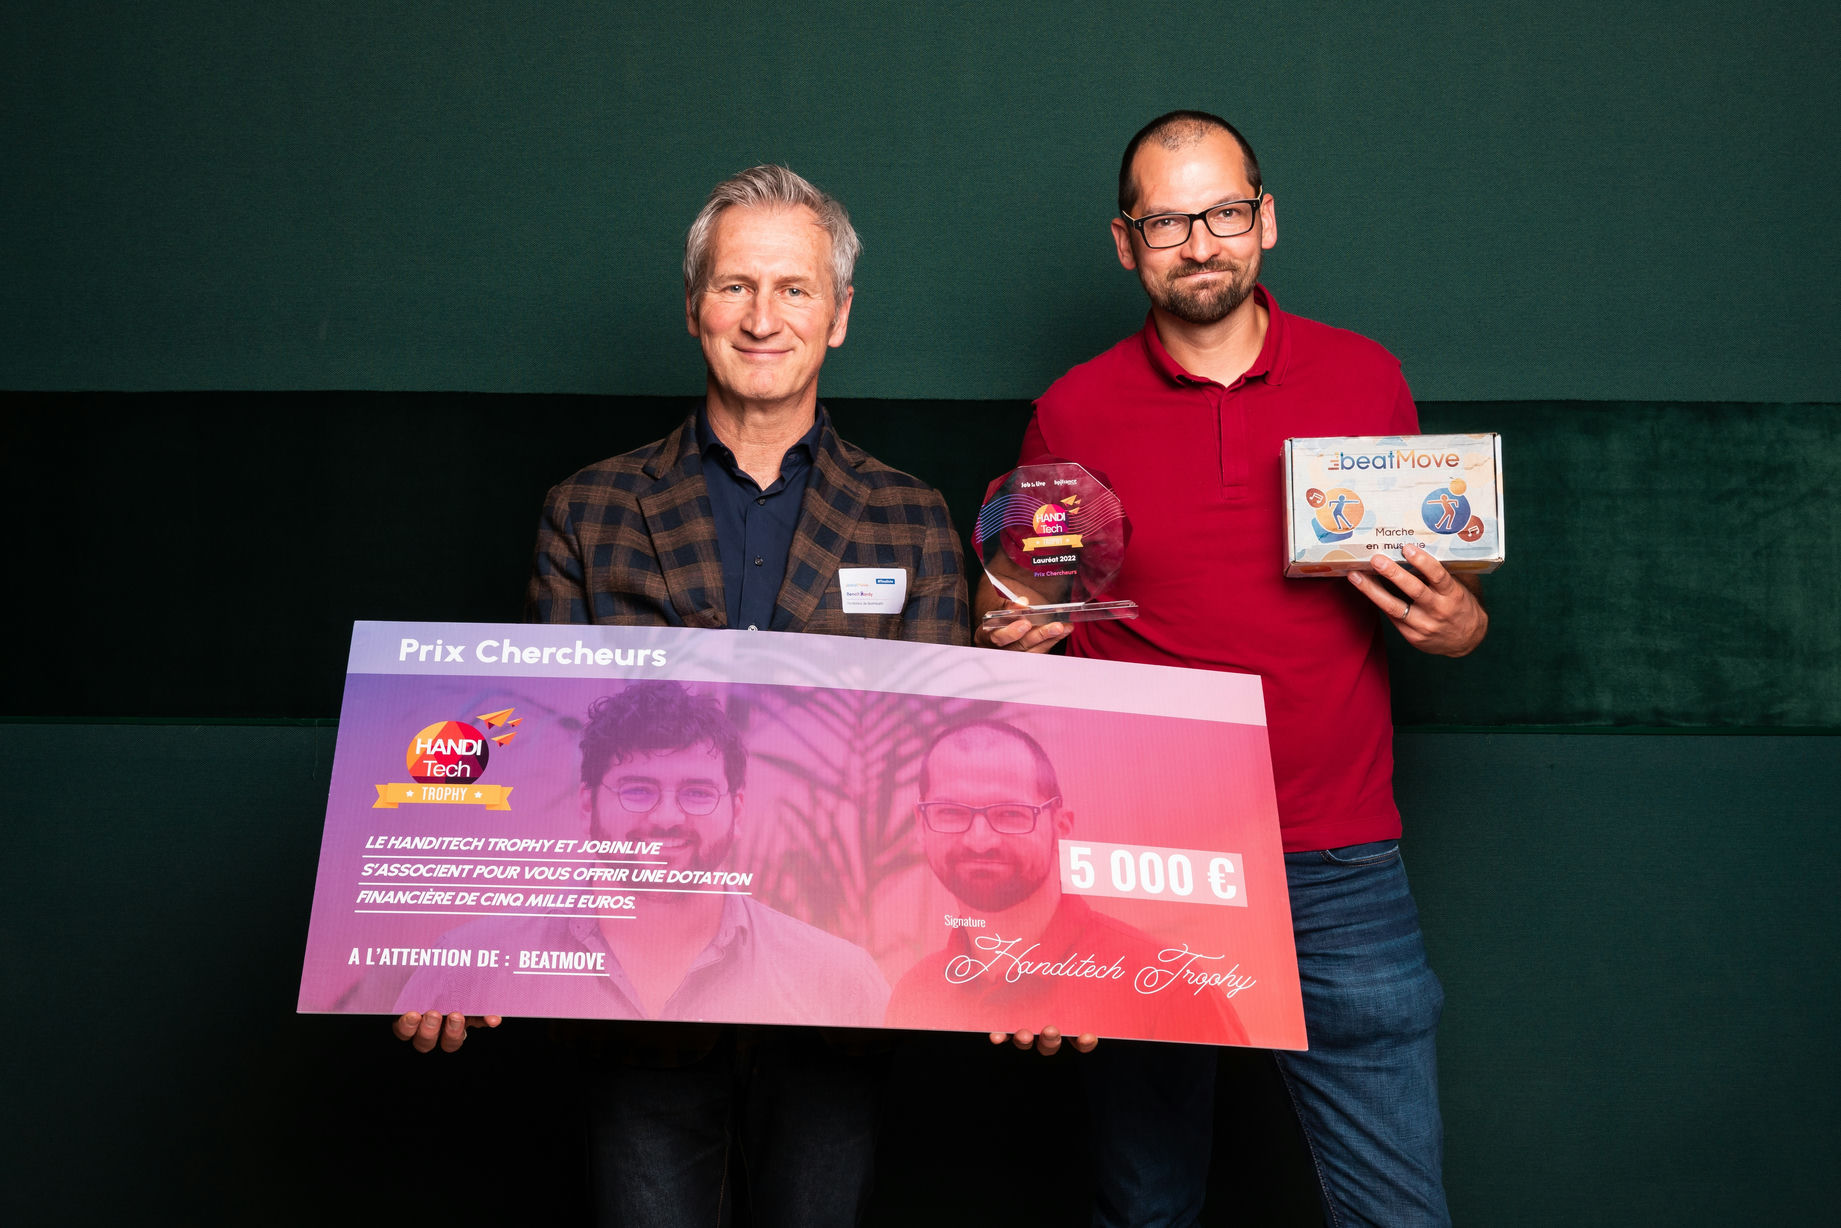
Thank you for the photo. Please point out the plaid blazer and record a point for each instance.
(632, 541)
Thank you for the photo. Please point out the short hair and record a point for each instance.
(1173, 131)
(1046, 783)
(655, 716)
(772, 187)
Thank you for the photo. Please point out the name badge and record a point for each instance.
(873, 590)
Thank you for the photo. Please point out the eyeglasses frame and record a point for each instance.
(1137, 223)
(1035, 815)
(663, 793)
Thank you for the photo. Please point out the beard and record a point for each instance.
(1209, 304)
(992, 886)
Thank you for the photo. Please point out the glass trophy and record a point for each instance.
(1051, 536)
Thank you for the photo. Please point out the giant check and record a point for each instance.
(648, 823)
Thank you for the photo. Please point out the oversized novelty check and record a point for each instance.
(645, 823)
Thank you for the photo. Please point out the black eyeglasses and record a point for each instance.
(641, 796)
(1005, 818)
(1224, 221)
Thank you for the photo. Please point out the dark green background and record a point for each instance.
(1566, 200)
(306, 305)
(205, 553)
(1633, 934)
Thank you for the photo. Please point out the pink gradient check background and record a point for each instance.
(829, 830)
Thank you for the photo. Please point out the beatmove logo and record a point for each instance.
(1339, 511)
(1447, 511)
(446, 761)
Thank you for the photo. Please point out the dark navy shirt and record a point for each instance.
(754, 527)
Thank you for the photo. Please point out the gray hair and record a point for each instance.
(772, 187)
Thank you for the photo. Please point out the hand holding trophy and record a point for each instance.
(1052, 536)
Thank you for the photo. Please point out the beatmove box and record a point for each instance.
(1352, 497)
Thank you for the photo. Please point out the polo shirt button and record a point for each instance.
(752, 627)
(761, 502)
(757, 560)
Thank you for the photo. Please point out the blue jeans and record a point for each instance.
(797, 1111)
(1366, 1091)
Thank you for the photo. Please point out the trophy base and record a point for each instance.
(1066, 612)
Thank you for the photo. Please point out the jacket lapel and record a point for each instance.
(834, 500)
(683, 530)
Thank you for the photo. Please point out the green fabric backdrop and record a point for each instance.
(1566, 200)
(1603, 230)
(1668, 565)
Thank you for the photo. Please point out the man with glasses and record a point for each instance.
(751, 515)
(661, 764)
(991, 817)
(1186, 419)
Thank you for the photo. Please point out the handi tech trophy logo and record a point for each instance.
(446, 761)
(1050, 524)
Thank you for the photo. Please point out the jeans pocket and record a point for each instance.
(1374, 853)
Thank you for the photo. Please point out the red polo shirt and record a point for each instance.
(1197, 466)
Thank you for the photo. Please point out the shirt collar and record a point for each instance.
(732, 925)
(1270, 364)
(1065, 926)
(1070, 921)
(805, 447)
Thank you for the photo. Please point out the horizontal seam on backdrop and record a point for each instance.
(299, 722)
(1697, 731)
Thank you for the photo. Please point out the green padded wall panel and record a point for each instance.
(205, 554)
(1668, 565)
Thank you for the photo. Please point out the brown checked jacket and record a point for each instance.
(632, 541)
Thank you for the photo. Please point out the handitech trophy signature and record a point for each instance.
(1179, 959)
(1175, 964)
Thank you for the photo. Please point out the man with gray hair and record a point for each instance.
(751, 515)
(754, 514)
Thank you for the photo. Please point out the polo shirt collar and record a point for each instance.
(732, 926)
(1065, 926)
(1270, 365)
